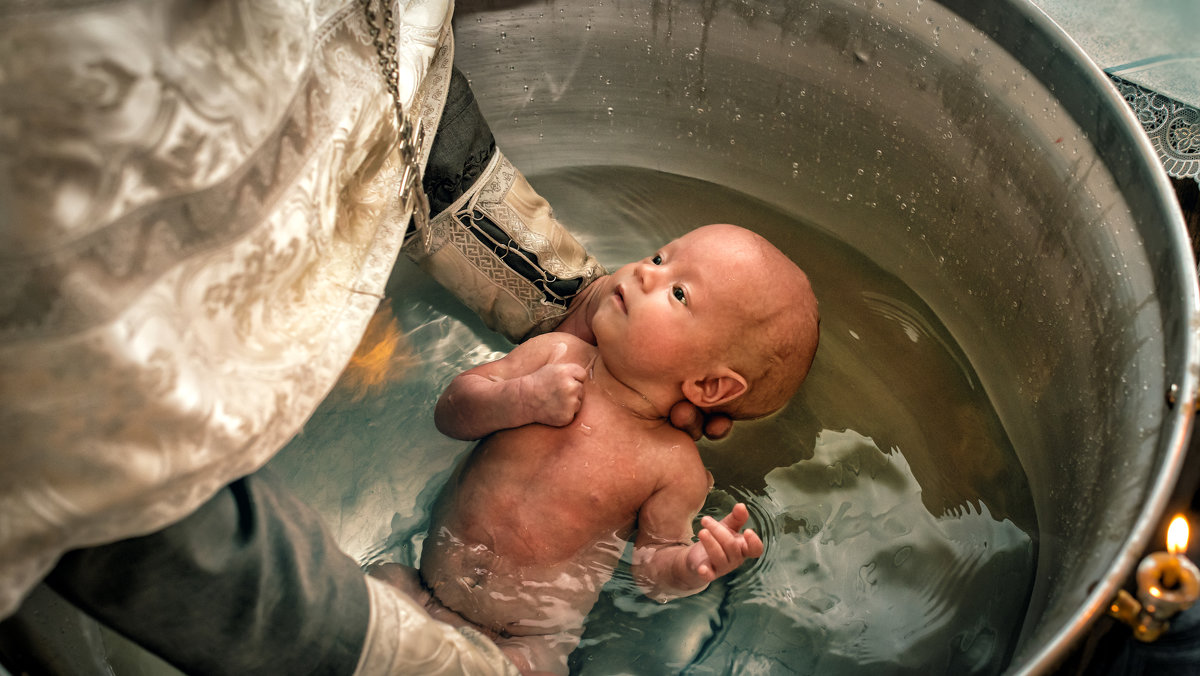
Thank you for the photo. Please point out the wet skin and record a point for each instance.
(533, 523)
(578, 454)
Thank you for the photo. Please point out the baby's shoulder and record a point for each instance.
(674, 445)
(543, 340)
(676, 462)
(548, 343)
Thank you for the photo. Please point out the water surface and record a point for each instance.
(900, 533)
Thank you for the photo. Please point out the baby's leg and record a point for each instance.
(540, 654)
(402, 577)
(408, 580)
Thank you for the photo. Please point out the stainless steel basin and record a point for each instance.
(969, 149)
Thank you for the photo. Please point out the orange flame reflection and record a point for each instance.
(381, 359)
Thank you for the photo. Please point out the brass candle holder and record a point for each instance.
(1167, 584)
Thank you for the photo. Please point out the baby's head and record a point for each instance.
(719, 311)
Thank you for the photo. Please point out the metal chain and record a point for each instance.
(385, 48)
(383, 36)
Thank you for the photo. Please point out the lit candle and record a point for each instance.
(1167, 583)
(1177, 538)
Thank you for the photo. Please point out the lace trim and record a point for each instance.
(1173, 127)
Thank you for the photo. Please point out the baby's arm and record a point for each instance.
(668, 563)
(540, 381)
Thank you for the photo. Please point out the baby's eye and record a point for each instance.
(657, 259)
(679, 294)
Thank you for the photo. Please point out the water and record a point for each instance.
(899, 527)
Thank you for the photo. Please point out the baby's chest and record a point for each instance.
(603, 455)
(614, 454)
(593, 456)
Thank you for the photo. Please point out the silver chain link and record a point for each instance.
(383, 36)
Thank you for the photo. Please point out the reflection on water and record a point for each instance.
(892, 505)
(858, 576)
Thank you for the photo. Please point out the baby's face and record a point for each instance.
(671, 310)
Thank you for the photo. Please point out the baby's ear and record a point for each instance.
(715, 389)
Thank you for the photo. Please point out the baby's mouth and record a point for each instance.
(619, 297)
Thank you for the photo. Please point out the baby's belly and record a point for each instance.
(516, 600)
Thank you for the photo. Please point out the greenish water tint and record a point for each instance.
(899, 527)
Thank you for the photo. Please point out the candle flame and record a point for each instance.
(1177, 535)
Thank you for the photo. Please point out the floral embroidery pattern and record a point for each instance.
(1173, 127)
(198, 218)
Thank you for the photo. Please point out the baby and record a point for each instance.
(578, 455)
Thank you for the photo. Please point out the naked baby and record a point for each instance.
(578, 455)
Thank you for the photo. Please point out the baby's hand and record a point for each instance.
(722, 548)
(553, 393)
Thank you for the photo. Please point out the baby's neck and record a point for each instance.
(578, 321)
(637, 403)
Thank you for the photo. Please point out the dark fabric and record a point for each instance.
(461, 149)
(556, 290)
(250, 583)
(1176, 652)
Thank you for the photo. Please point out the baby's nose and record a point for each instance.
(648, 273)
